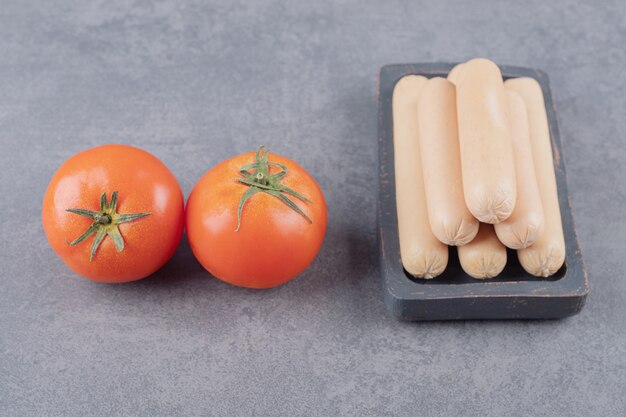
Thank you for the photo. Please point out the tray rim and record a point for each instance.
(397, 287)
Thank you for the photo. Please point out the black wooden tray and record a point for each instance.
(454, 295)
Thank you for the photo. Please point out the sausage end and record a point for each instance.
(456, 233)
(492, 210)
(425, 264)
(518, 236)
(485, 266)
(541, 263)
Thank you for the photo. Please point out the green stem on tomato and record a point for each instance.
(105, 222)
(260, 180)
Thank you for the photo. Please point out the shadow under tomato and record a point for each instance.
(181, 269)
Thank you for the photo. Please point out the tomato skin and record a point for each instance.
(274, 242)
(144, 184)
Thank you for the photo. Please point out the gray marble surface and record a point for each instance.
(195, 82)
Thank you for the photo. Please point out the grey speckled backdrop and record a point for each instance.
(195, 82)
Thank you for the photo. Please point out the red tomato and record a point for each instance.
(282, 216)
(114, 213)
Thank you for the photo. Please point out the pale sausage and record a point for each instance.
(547, 254)
(422, 254)
(525, 224)
(484, 257)
(486, 152)
(454, 74)
(450, 220)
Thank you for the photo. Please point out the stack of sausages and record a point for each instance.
(473, 165)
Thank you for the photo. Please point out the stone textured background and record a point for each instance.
(195, 82)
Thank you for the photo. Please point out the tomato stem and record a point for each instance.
(105, 222)
(102, 218)
(260, 180)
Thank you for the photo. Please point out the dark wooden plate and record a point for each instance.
(454, 295)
